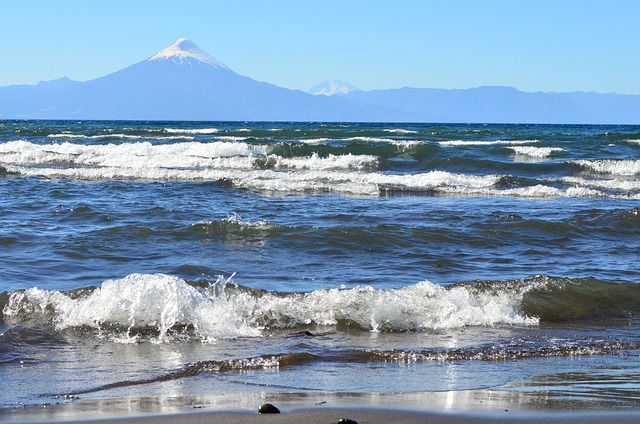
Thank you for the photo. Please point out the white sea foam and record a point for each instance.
(174, 137)
(424, 306)
(129, 156)
(180, 156)
(121, 309)
(320, 140)
(136, 302)
(65, 135)
(230, 138)
(614, 184)
(535, 152)
(113, 136)
(192, 131)
(96, 137)
(400, 131)
(316, 162)
(537, 191)
(361, 183)
(234, 218)
(371, 139)
(435, 179)
(611, 166)
(235, 171)
(405, 144)
(485, 143)
(309, 181)
(576, 191)
(254, 167)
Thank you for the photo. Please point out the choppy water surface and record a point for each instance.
(169, 259)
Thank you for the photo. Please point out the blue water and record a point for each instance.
(151, 258)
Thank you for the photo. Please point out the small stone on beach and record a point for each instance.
(346, 421)
(267, 408)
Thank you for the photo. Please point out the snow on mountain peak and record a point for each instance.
(185, 49)
(331, 88)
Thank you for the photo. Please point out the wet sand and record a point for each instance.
(370, 416)
(465, 407)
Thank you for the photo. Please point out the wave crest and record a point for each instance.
(158, 308)
(611, 166)
(162, 308)
(133, 308)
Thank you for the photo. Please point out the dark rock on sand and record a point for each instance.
(267, 408)
(346, 421)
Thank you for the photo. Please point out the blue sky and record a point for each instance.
(533, 45)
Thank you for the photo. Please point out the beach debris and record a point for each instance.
(268, 408)
(346, 421)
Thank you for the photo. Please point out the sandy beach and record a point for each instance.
(366, 416)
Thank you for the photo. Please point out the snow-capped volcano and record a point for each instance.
(331, 88)
(183, 50)
(182, 82)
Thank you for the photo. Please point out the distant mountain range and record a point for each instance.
(507, 105)
(183, 82)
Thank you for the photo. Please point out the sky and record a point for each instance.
(532, 45)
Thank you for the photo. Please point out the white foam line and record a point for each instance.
(485, 143)
(535, 152)
(611, 166)
(400, 131)
(372, 139)
(192, 131)
(625, 185)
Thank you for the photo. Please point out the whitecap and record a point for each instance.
(485, 142)
(315, 162)
(122, 309)
(192, 130)
(614, 184)
(320, 140)
(371, 139)
(535, 152)
(400, 131)
(611, 166)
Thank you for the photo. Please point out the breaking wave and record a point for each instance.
(192, 131)
(485, 143)
(611, 166)
(365, 168)
(161, 308)
(535, 152)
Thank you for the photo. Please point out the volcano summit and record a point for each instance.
(185, 51)
(182, 82)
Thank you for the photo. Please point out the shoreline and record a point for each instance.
(474, 406)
